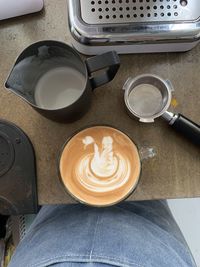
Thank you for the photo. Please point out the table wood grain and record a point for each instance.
(173, 172)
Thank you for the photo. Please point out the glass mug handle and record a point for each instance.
(109, 61)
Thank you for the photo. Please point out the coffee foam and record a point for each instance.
(100, 165)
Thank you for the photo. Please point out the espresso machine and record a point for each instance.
(134, 26)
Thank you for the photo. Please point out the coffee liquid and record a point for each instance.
(100, 166)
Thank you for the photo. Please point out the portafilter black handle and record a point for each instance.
(185, 126)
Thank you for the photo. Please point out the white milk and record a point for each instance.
(59, 87)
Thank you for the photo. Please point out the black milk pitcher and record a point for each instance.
(54, 80)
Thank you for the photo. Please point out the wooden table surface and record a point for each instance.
(173, 172)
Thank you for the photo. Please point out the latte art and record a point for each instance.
(103, 170)
(100, 166)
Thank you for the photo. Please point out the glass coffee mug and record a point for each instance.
(53, 79)
(100, 166)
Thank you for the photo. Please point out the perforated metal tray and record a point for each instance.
(122, 11)
(156, 25)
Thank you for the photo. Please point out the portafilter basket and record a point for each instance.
(148, 97)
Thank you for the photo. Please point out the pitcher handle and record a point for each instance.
(108, 62)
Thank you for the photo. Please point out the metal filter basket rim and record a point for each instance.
(166, 91)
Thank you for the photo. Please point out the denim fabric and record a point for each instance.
(131, 234)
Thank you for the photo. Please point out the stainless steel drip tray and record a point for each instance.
(103, 12)
(134, 26)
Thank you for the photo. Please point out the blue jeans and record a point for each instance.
(131, 234)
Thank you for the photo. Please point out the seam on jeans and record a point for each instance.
(75, 258)
(95, 230)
